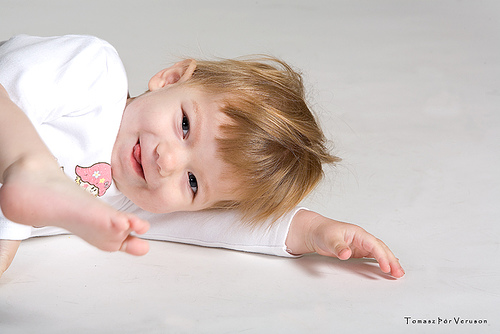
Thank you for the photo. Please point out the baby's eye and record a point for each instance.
(193, 183)
(185, 125)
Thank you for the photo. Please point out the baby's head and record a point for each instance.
(220, 134)
(271, 141)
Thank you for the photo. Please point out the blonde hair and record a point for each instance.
(272, 141)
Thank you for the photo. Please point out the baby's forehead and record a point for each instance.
(220, 115)
(213, 128)
(224, 183)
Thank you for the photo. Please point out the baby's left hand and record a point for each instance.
(310, 232)
(8, 249)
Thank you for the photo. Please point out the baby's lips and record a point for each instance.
(137, 153)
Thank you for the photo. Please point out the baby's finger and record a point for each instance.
(135, 246)
(342, 251)
(334, 246)
(377, 250)
(396, 268)
(8, 249)
(138, 225)
(388, 262)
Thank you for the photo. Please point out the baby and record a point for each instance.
(229, 134)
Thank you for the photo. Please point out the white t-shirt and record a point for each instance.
(74, 90)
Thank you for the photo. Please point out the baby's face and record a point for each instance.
(165, 155)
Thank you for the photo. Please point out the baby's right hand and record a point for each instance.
(311, 232)
(8, 249)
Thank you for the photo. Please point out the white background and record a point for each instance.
(408, 92)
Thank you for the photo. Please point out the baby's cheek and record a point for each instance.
(158, 202)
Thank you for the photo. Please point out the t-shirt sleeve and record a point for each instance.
(13, 231)
(210, 228)
(52, 77)
(220, 228)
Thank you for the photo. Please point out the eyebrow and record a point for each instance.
(197, 120)
(205, 191)
(196, 107)
(204, 184)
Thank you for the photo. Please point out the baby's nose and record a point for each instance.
(169, 159)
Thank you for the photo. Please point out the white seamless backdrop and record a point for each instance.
(408, 92)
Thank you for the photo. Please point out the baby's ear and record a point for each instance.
(177, 73)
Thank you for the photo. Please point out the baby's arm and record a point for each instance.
(310, 232)
(298, 232)
(34, 185)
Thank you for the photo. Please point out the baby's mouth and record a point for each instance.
(136, 152)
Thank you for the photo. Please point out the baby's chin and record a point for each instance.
(152, 209)
(147, 206)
